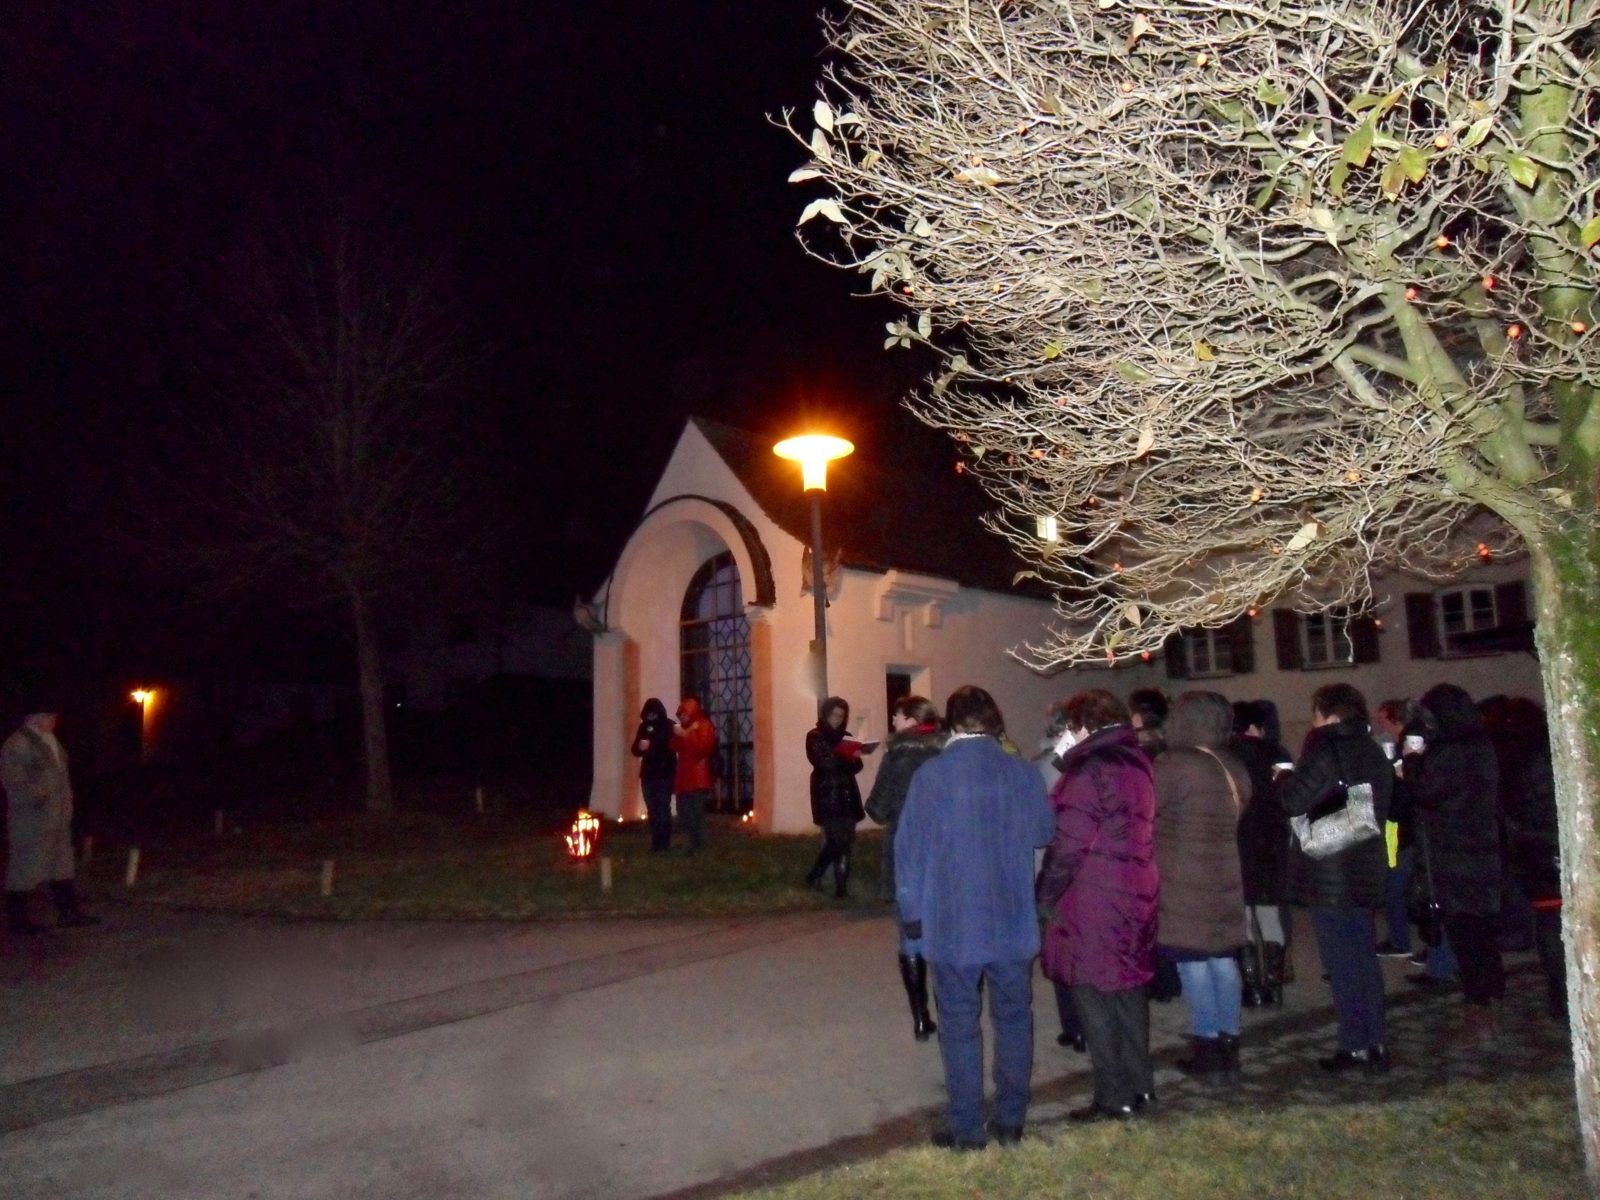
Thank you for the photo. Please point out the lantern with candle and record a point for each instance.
(583, 838)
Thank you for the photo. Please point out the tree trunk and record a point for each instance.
(374, 733)
(1566, 571)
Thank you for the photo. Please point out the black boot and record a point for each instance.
(914, 974)
(841, 877)
(1228, 1053)
(1250, 974)
(69, 912)
(819, 868)
(17, 919)
(1205, 1057)
(1274, 966)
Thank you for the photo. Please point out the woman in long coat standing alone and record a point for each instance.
(33, 769)
(1099, 891)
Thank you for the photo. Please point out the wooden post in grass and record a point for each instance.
(605, 874)
(218, 823)
(88, 850)
(327, 877)
(478, 799)
(132, 877)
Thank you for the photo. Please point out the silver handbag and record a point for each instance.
(1353, 824)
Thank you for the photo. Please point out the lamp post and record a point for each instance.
(814, 451)
(145, 698)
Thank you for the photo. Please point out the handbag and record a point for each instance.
(1354, 823)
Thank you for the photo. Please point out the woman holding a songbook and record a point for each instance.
(835, 758)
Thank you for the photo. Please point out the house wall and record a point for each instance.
(1395, 674)
(943, 635)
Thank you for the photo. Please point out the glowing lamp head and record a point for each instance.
(813, 451)
(140, 696)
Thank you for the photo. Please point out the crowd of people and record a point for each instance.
(1173, 838)
(1152, 849)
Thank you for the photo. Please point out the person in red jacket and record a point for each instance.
(694, 741)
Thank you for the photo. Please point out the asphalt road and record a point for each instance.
(176, 1055)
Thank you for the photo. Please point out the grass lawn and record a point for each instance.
(1514, 1138)
(476, 868)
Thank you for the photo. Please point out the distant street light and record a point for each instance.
(145, 698)
(814, 451)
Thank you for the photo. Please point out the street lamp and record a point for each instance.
(145, 698)
(814, 451)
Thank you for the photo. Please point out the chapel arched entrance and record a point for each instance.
(715, 666)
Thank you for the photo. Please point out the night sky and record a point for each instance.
(601, 183)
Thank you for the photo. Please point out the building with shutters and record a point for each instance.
(1474, 632)
(708, 598)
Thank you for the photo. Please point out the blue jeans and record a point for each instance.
(1211, 986)
(1399, 879)
(1348, 942)
(1442, 961)
(960, 996)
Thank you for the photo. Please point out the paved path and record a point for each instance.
(177, 1055)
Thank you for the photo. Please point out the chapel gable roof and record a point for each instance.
(871, 516)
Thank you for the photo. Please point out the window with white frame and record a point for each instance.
(1464, 610)
(1325, 640)
(1209, 652)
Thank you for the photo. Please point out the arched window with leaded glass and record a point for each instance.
(714, 641)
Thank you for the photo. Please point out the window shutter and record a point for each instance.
(1177, 657)
(1511, 604)
(1242, 639)
(1511, 611)
(1422, 626)
(1364, 639)
(1286, 638)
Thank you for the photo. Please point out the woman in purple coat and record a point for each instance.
(1099, 890)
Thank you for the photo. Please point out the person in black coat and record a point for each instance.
(1343, 890)
(1521, 738)
(1263, 854)
(652, 746)
(1454, 784)
(1147, 710)
(914, 738)
(835, 795)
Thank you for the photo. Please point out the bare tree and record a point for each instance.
(1254, 298)
(321, 462)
